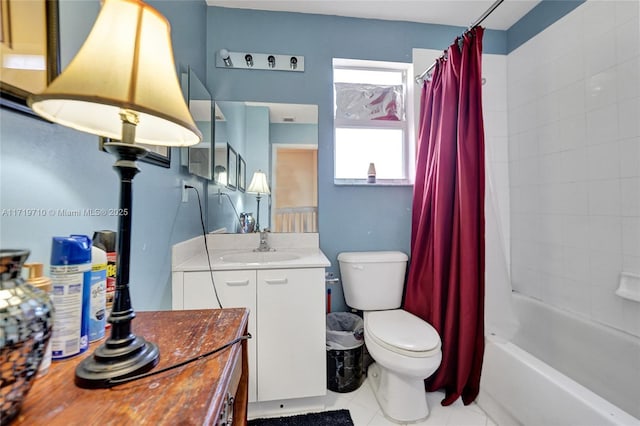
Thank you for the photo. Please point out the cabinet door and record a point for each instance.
(236, 289)
(291, 326)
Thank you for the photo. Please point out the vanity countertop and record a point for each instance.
(227, 250)
(305, 258)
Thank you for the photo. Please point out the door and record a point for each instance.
(294, 192)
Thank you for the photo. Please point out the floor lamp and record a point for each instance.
(122, 85)
(258, 186)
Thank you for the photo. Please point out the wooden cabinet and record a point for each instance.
(209, 391)
(287, 321)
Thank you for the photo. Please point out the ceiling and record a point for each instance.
(446, 12)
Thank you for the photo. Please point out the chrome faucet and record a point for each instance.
(264, 245)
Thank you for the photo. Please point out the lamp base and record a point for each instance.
(124, 354)
(109, 363)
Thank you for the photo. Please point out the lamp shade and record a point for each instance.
(259, 183)
(126, 64)
(220, 175)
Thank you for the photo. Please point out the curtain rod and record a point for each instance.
(477, 22)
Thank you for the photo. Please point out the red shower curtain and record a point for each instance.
(446, 276)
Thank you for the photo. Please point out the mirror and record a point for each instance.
(200, 156)
(280, 140)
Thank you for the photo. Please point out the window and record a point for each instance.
(372, 122)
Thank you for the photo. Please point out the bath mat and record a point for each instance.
(326, 418)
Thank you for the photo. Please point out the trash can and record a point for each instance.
(345, 351)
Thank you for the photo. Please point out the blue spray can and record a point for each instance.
(70, 293)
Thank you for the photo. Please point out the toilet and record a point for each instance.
(405, 348)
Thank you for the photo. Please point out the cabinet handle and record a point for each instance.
(277, 281)
(238, 283)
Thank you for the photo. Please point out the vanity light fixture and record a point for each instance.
(226, 57)
(259, 61)
(100, 93)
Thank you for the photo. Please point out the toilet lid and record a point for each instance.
(402, 331)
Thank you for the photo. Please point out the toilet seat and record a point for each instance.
(402, 332)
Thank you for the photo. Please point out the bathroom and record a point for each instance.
(582, 71)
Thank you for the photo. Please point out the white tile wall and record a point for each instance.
(574, 161)
(494, 108)
(497, 141)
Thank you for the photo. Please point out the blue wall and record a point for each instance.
(293, 133)
(47, 166)
(350, 217)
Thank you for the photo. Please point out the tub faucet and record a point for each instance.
(264, 245)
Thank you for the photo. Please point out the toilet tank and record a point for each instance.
(374, 280)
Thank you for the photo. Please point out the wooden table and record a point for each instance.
(193, 394)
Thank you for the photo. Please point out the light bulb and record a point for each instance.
(226, 57)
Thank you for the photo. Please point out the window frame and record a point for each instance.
(408, 143)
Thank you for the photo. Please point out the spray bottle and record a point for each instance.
(36, 278)
(97, 316)
(71, 283)
(106, 240)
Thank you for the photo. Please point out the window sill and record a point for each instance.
(363, 182)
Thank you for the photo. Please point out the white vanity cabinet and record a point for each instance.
(287, 322)
(236, 289)
(291, 333)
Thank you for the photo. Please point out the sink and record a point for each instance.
(258, 257)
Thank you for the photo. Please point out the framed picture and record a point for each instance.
(232, 168)
(158, 155)
(29, 50)
(242, 174)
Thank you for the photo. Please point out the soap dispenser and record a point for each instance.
(371, 173)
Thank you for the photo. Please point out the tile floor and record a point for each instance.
(365, 411)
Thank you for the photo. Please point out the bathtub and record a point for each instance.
(519, 387)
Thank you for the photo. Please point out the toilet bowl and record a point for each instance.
(405, 348)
